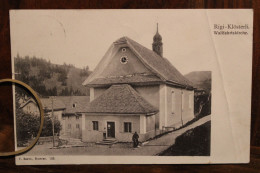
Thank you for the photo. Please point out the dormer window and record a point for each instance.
(124, 59)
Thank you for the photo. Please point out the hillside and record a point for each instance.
(200, 79)
(51, 79)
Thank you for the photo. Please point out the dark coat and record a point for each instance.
(135, 137)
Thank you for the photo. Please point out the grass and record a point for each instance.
(194, 142)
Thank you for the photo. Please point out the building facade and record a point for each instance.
(135, 89)
(64, 109)
(72, 120)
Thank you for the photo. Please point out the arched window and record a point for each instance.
(182, 100)
(173, 102)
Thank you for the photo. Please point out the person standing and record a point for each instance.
(135, 140)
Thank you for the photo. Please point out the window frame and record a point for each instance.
(173, 97)
(95, 125)
(127, 127)
(182, 100)
(123, 49)
(126, 59)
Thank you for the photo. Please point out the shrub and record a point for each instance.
(27, 126)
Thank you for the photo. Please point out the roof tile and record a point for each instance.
(79, 101)
(120, 99)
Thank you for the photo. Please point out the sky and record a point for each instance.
(82, 37)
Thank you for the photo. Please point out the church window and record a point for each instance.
(124, 59)
(123, 49)
(173, 102)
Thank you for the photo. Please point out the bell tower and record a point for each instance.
(157, 43)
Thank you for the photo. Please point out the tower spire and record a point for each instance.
(157, 43)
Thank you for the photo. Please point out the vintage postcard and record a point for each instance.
(133, 86)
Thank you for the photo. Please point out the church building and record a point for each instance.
(135, 89)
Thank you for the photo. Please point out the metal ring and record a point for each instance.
(41, 116)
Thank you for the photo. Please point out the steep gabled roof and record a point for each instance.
(120, 99)
(62, 103)
(27, 102)
(160, 66)
(46, 103)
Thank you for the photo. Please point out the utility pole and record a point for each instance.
(52, 121)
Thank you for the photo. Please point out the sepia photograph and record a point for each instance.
(117, 83)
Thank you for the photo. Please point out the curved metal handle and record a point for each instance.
(41, 116)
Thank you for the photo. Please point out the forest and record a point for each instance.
(49, 79)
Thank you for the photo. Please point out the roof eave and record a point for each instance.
(57, 109)
(119, 113)
(179, 85)
(130, 83)
(71, 113)
(143, 83)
